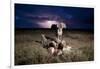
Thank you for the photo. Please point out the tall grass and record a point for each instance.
(27, 51)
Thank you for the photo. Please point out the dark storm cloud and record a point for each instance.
(27, 16)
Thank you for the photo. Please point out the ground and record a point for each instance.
(28, 48)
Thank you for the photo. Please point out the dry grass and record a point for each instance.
(28, 49)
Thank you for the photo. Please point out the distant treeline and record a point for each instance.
(88, 30)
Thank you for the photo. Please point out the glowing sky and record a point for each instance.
(47, 23)
(42, 16)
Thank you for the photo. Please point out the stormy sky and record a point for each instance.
(43, 16)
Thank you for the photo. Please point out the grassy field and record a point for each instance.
(28, 50)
